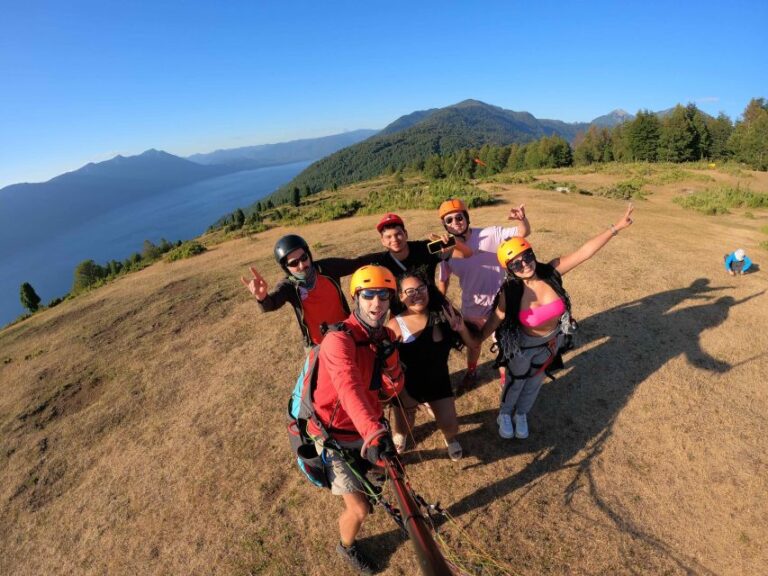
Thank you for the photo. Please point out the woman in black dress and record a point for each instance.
(428, 328)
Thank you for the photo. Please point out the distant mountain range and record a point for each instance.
(32, 211)
(613, 119)
(416, 136)
(41, 210)
(252, 157)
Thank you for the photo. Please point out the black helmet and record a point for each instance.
(288, 244)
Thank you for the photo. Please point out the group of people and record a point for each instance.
(396, 297)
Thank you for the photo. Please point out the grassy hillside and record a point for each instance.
(416, 137)
(142, 426)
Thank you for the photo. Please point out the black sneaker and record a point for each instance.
(355, 558)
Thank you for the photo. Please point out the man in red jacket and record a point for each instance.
(358, 366)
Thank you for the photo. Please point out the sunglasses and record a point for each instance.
(413, 291)
(371, 293)
(296, 261)
(518, 264)
(451, 219)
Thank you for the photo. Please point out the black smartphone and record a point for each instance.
(438, 245)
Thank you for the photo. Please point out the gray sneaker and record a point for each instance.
(521, 426)
(506, 430)
(355, 558)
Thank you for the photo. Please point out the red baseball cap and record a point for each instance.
(389, 219)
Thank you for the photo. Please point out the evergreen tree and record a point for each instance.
(703, 139)
(749, 140)
(87, 273)
(620, 143)
(149, 251)
(677, 138)
(239, 218)
(164, 246)
(516, 159)
(29, 298)
(642, 137)
(433, 167)
(296, 196)
(593, 146)
(719, 129)
(253, 218)
(114, 267)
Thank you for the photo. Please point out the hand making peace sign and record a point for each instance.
(257, 285)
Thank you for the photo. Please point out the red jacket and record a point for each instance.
(343, 401)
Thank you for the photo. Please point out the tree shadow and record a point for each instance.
(575, 414)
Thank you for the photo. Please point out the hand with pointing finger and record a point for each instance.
(256, 285)
(517, 213)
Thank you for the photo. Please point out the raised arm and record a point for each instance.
(444, 278)
(268, 301)
(519, 214)
(256, 285)
(565, 264)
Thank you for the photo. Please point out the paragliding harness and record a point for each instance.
(507, 334)
(301, 411)
(416, 518)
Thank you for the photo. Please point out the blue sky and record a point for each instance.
(84, 81)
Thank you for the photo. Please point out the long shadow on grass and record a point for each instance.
(620, 348)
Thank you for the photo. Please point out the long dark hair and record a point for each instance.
(435, 306)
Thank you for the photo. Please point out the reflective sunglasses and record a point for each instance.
(413, 291)
(517, 264)
(451, 219)
(296, 261)
(371, 293)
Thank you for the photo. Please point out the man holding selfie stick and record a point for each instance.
(480, 276)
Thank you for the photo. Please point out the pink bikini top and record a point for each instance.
(534, 317)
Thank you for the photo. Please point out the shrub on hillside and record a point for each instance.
(631, 189)
(512, 178)
(565, 187)
(720, 200)
(425, 196)
(186, 250)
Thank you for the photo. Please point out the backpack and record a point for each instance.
(507, 332)
(301, 410)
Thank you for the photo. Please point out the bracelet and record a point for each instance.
(613, 230)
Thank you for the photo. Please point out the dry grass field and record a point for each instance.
(142, 426)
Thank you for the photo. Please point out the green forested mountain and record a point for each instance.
(412, 139)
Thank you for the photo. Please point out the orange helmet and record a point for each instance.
(371, 276)
(511, 248)
(454, 205)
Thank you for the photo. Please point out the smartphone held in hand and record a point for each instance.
(439, 245)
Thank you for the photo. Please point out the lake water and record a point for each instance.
(178, 214)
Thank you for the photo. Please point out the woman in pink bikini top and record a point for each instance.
(540, 306)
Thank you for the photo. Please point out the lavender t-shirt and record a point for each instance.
(480, 276)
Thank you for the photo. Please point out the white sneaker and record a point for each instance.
(521, 426)
(505, 426)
